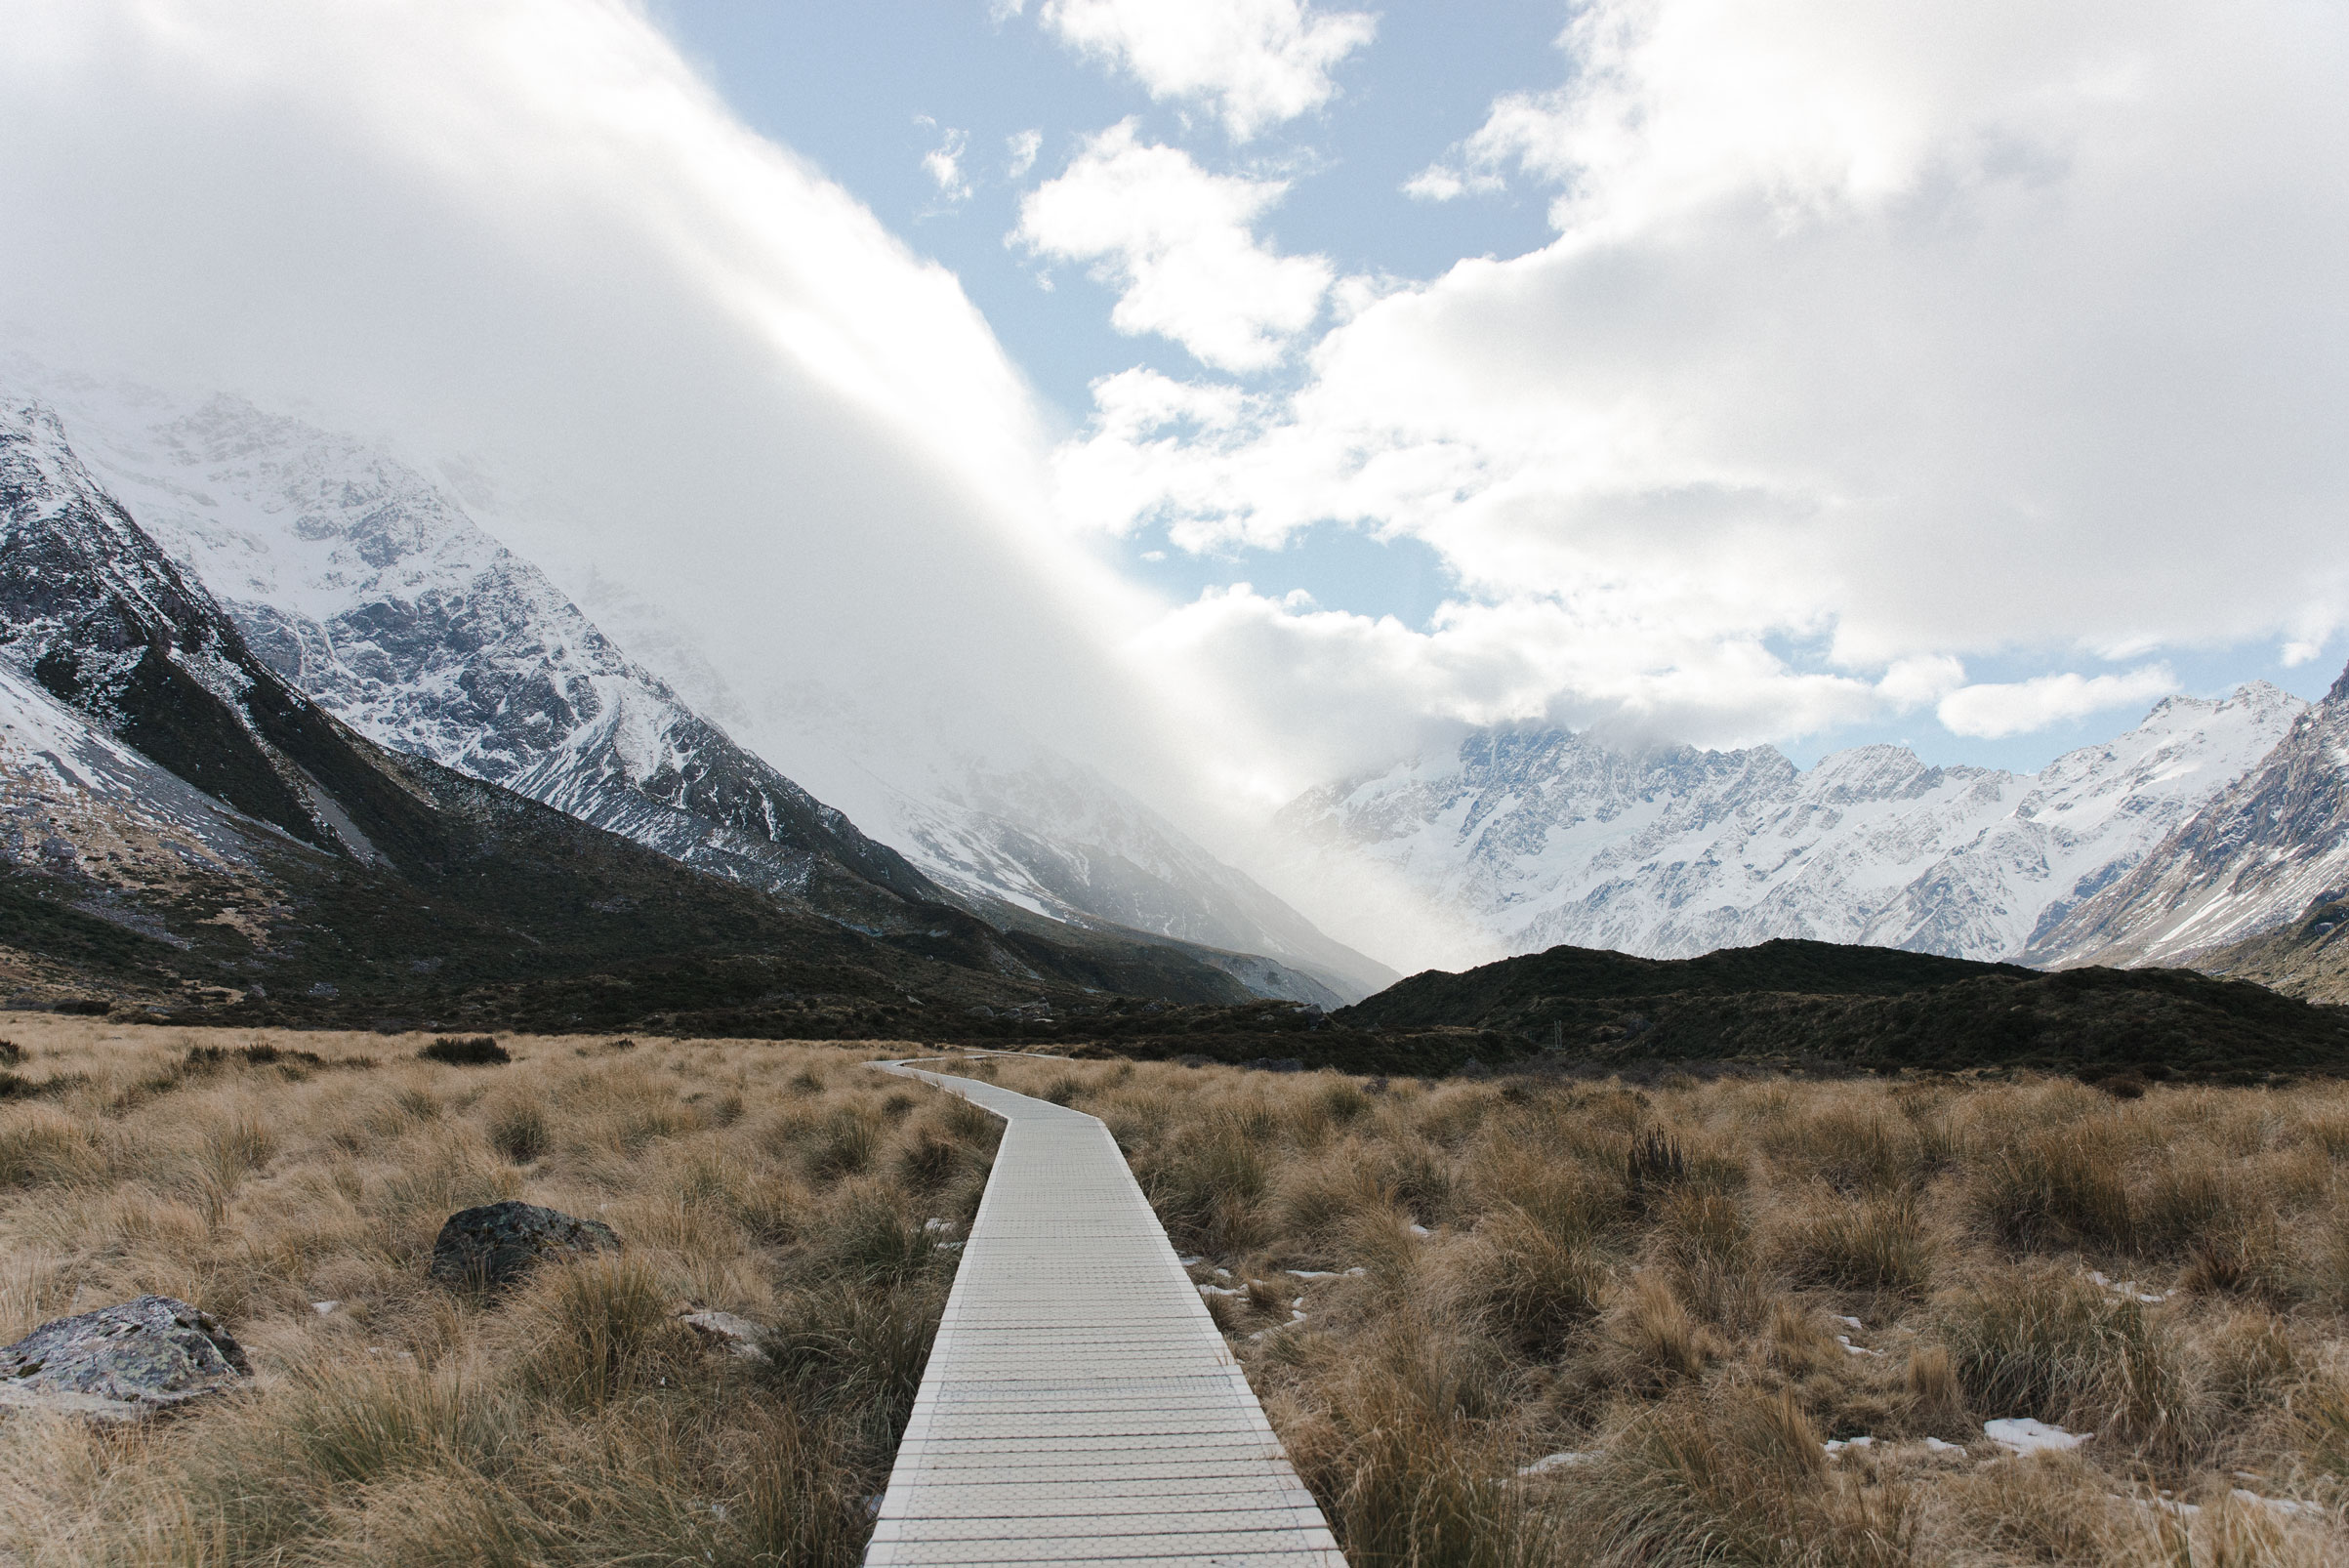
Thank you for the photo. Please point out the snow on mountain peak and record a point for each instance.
(367, 586)
(1523, 839)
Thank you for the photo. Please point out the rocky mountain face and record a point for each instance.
(2272, 846)
(2306, 957)
(1524, 841)
(97, 616)
(177, 816)
(366, 586)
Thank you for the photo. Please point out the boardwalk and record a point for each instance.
(1079, 1405)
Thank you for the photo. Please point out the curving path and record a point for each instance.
(1079, 1405)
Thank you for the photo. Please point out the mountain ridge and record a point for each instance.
(1796, 1002)
(2275, 842)
(1523, 839)
(366, 585)
(290, 844)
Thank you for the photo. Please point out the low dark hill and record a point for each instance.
(1514, 992)
(1796, 1002)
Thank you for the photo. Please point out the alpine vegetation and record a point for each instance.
(706, 1282)
(1760, 1320)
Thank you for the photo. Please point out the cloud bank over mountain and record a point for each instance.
(526, 234)
(1971, 360)
(1870, 342)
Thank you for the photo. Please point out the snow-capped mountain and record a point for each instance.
(2272, 844)
(139, 666)
(175, 814)
(367, 586)
(1520, 841)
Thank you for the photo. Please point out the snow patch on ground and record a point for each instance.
(2021, 1434)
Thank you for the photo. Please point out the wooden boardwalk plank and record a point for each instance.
(1079, 1405)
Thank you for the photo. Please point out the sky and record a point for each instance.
(1914, 176)
(1241, 393)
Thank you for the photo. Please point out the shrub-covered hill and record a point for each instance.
(1869, 1006)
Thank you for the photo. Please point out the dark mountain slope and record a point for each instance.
(1797, 1001)
(1513, 992)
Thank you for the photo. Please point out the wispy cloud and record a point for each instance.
(1178, 243)
(1254, 62)
(943, 163)
(1896, 342)
(1020, 149)
(2019, 706)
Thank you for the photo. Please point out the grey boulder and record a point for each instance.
(121, 1362)
(498, 1242)
(738, 1336)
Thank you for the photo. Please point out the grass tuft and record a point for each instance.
(472, 1050)
(1878, 1243)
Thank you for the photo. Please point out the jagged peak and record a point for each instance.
(34, 417)
(2259, 696)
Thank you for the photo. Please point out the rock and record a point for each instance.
(736, 1336)
(497, 1242)
(121, 1362)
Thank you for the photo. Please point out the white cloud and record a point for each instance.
(1177, 244)
(1902, 335)
(1442, 182)
(525, 231)
(1915, 682)
(1300, 695)
(2015, 708)
(943, 163)
(1255, 62)
(1020, 149)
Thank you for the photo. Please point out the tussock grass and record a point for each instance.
(572, 1421)
(1689, 1286)
(1877, 1243)
(1665, 1280)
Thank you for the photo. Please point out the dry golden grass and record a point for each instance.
(1658, 1282)
(1655, 1281)
(570, 1420)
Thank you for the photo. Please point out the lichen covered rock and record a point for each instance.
(738, 1336)
(497, 1242)
(123, 1361)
